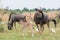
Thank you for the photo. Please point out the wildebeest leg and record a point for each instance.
(38, 28)
(24, 30)
(55, 23)
(41, 29)
(32, 31)
(15, 25)
(24, 26)
(48, 26)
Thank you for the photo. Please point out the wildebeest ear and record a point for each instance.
(40, 11)
(36, 9)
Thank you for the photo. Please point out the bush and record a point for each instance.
(1, 28)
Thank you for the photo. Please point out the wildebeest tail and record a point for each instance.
(54, 22)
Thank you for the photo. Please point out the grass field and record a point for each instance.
(17, 34)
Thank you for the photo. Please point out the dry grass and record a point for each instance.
(51, 14)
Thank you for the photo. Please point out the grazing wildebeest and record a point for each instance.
(41, 19)
(13, 18)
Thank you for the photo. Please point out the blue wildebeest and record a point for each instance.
(13, 18)
(41, 19)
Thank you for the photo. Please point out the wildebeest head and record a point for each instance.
(39, 13)
(24, 19)
(10, 25)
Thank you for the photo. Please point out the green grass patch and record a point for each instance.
(18, 35)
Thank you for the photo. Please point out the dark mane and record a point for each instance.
(9, 17)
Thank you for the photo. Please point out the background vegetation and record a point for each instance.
(6, 34)
(25, 9)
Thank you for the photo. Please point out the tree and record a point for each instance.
(48, 9)
(53, 9)
(58, 9)
(12, 11)
(44, 9)
(31, 10)
(25, 9)
(7, 8)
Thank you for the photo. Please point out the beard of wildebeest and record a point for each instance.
(10, 25)
(38, 15)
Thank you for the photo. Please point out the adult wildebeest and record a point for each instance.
(13, 18)
(41, 19)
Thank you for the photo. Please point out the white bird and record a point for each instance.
(53, 30)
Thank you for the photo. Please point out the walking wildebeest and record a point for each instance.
(13, 18)
(41, 19)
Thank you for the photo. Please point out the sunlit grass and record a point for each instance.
(18, 35)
